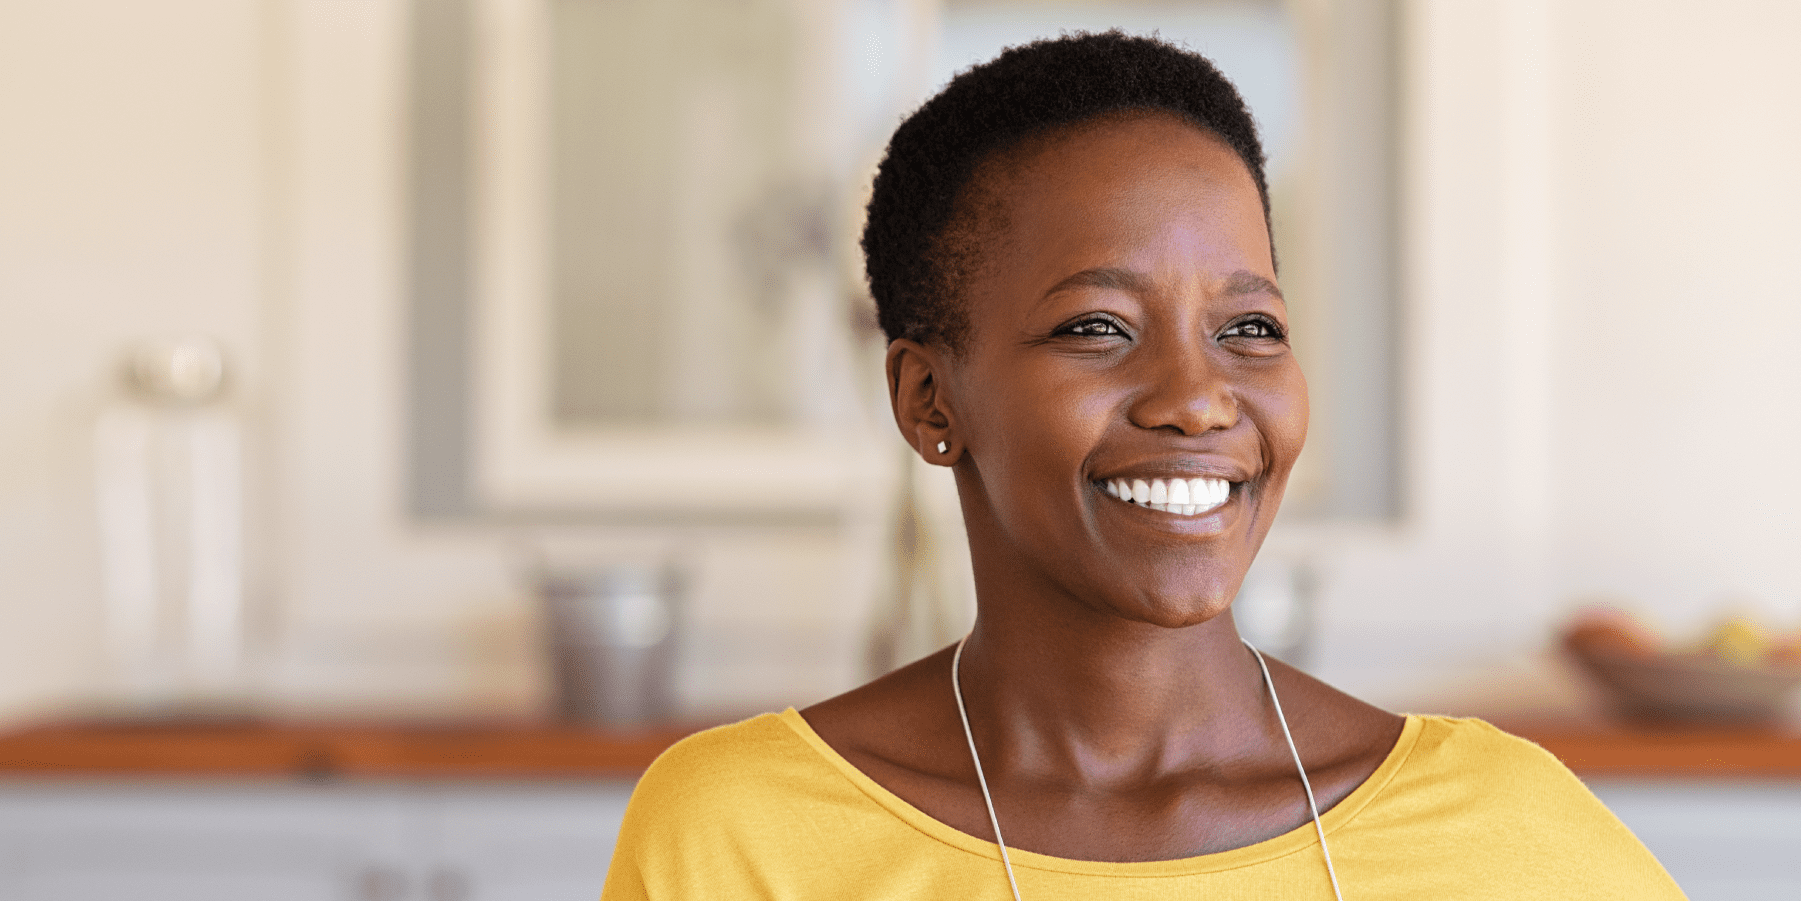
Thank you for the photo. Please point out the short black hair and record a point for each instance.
(913, 261)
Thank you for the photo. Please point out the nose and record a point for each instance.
(1184, 390)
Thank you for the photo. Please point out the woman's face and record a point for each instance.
(1126, 335)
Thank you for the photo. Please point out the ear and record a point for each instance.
(921, 407)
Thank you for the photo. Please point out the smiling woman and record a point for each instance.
(1071, 254)
(1124, 325)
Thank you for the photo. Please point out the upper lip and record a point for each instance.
(1185, 468)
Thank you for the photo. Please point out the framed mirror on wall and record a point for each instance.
(660, 320)
(634, 224)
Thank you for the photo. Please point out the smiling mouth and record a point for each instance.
(1184, 497)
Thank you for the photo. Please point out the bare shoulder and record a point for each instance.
(1342, 739)
(900, 725)
(903, 733)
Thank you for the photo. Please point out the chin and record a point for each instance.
(1179, 610)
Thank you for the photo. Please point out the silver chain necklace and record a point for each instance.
(988, 799)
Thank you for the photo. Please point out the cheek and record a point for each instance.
(1030, 445)
(1035, 446)
(1283, 408)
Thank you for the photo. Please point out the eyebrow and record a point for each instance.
(1107, 278)
(1245, 282)
(1113, 278)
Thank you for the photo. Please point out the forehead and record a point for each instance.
(1106, 154)
(1150, 188)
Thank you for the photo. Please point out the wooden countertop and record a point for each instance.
(1612, 749)
(332, 751)
(254, 749)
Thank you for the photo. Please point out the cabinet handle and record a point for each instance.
(447, 885)
(380, 884)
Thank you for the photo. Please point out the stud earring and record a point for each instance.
(943, 448)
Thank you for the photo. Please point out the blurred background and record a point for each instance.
(336, 334)
(500, 287)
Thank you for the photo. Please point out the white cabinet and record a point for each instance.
(525, 844)
(276, 842)
(463, 841)
(1731, 841)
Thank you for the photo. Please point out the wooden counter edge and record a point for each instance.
(1617, 751)
(549, 751)
(357, 751)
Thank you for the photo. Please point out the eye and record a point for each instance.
(1255, 328)
(1093, 327)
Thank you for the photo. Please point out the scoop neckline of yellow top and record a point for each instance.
(1301, 838)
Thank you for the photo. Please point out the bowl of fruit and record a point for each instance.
(1740, 673)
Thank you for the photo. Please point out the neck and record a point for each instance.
(1100, 700)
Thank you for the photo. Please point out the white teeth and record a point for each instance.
(1178, 491)
(1186, 497)
(1208, 493)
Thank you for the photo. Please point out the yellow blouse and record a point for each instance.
(764, 809)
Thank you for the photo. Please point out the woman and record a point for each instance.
(1071, 255)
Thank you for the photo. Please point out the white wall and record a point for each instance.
(231, 169)
(1676, 365)
(373, 611)
(1602, 396)
(131, 206)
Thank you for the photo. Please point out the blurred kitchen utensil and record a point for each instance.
(1690, 687)
(169, 484)
(1644, 680)
(612, 641)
